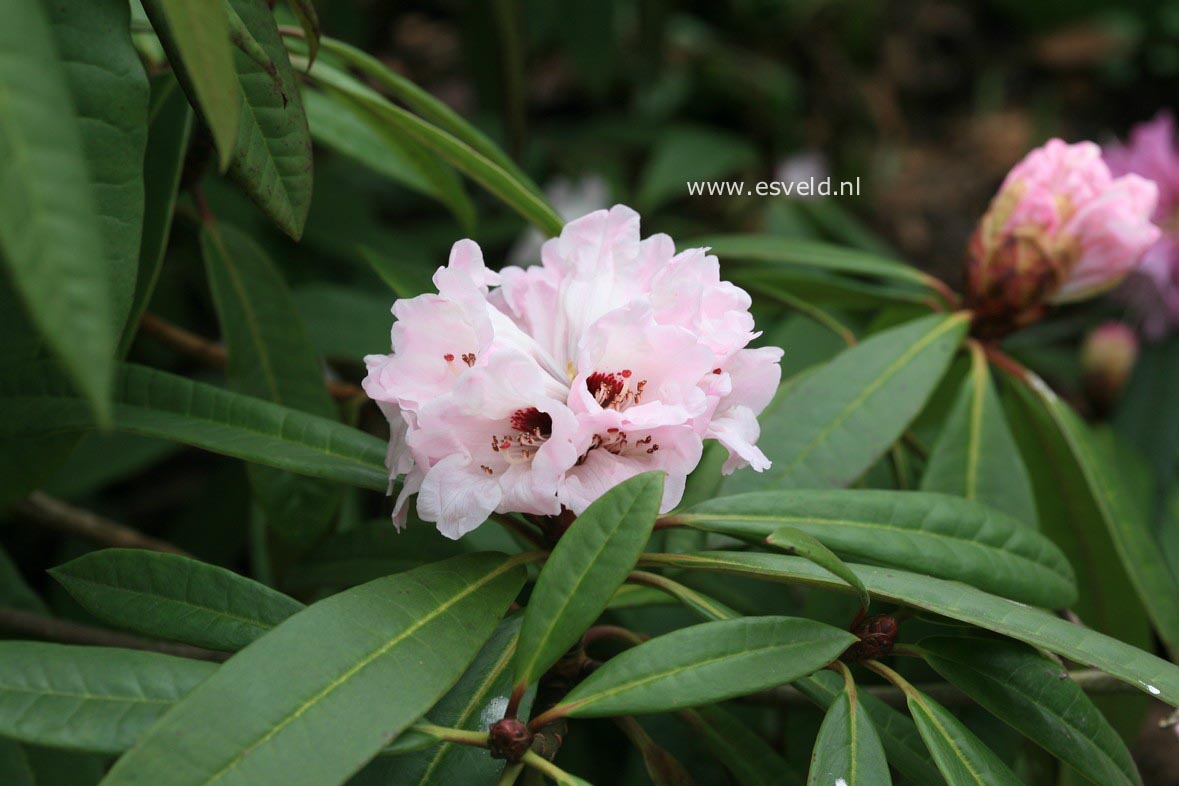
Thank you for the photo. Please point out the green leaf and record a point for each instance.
(795, 541)
(1033, 695)
(271, 357)
(50, 233)
(956, 601)
(848, 750)
(428, 108)
(331, 685)
(170, 129)
(589, 563)
(1055, 447)
(110, 98)
(975, 455)
(1125, 516)
(934, 534)
(899, 736)
(747, 756)
(337, 122)
(474, 703)
(14, 765)
(690, 154)
(195, 35)
(172, 597)
(773, 253)
(963, 758)
(272, 156)
(832, 426)
(36, 400)
(89, 698)
(502, 183)
(364, 332)
(706, 663)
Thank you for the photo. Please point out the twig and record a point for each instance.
(213, 354)
(48, 628)
(517, 526)
(1090, 680)
(63, 517)
(603, 632)
(1009, 364)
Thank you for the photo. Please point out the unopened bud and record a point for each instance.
(877, 636)
(509, 739)
(1107, 360)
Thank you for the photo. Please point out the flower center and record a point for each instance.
(532, 428)
(613, 390)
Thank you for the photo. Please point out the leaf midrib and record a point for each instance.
(359, 666)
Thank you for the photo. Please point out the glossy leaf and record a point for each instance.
(902, 742)
(36, 400)
(500, 182)
(589, 563)
(706, 663)
(898, 734)
(167, 596)
(328, 674)
(771, 253)
(429, 108)
(975, 455)
(110, 97)
(50, 232)
(795, 541)
(751, 760)
(304, 11)
(957, 601)
(272, 155)
(476, 701)
(338, 123)
(1126, 517)
(832, 426)
(171, 121)
(962, 757)
(89, 698)
(848, 750)
(1059, 457)
(195, 35)
(1032, 694)
(928, 533)
(271, 357)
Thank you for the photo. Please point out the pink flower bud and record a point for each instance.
(536, 390)
(1108, 356)
(1061, 228)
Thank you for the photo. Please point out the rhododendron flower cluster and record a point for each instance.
(1061, 228)
(1151, 291)
(536, 389)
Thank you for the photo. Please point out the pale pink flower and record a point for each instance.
(1151, 291)
(536, 389)
(1061, 228)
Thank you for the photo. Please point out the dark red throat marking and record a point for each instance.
(532, 421)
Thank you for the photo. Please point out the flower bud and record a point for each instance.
(1107, 359)
(509, 739)
(1061, 228)
(877, 636)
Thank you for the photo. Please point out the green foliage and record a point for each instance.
(206, 211)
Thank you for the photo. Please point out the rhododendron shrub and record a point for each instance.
(614, 508)
(538, 389)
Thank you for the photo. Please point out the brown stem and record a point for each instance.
(48, 628)
(1007, 363)
(63, 517)
(604, 632)
(515, 525)
(211, 353)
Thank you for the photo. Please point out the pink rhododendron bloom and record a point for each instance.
(1151, 291)
(1061, 228)
(536, 389)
